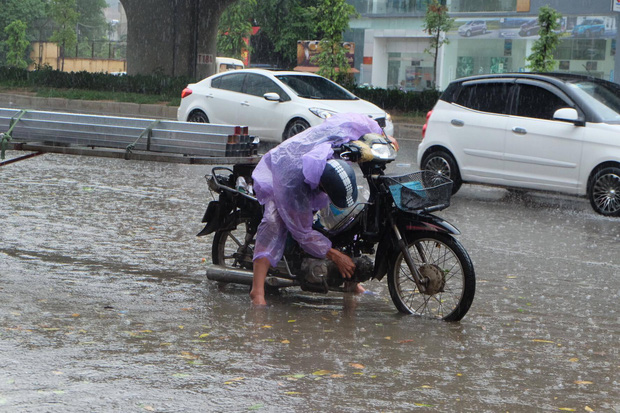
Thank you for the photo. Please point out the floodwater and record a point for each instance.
(105, 307)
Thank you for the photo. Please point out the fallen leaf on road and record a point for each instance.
(235, 380)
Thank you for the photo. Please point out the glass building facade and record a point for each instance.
(488, 36)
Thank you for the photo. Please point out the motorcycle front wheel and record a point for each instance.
(447, 273)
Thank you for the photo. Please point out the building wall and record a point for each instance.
(394, 42)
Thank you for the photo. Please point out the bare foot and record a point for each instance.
(355, 288)
(258, 299)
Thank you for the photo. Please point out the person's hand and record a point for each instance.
(343, 262)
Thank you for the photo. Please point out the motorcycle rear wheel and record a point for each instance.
(447, 266)
(234, 248)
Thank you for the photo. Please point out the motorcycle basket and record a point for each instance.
(422, 190)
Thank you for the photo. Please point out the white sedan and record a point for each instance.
(274, 105)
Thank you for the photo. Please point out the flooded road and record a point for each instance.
(105, 307)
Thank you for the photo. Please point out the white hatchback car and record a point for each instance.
(274, 105)
(551, 132)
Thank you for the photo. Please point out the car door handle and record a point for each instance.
(210, 95)
(457, 122)
(245, 103)
(519, 131)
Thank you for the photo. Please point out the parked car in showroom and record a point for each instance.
(550, 132)
(275, 105)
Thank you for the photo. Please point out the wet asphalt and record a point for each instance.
(104, 307)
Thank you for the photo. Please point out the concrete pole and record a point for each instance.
(173, 37)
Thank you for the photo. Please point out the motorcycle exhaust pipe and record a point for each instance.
(243, 277)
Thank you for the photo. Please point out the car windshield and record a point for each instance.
(604, 99)
(315, 87)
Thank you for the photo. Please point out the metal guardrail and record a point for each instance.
(131, 138)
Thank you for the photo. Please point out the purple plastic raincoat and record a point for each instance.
(286, 182)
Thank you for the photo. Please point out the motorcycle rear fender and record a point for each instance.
(211, 217)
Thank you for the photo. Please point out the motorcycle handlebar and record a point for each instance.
(348, 152)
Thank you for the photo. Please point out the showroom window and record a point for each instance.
(390, 6)
(469, 6)
(581, 49)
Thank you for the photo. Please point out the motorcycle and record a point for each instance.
(391, 231)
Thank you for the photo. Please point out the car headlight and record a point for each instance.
(388, 117)
(322, 113)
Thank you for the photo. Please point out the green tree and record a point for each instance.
(65, 16)
(91, 23)
(16, 44)
(27, 11)
(235, 27)
(332, 17)
(436, 24)
(541, 59)
(282, 23)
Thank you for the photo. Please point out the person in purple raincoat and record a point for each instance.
(286, 182)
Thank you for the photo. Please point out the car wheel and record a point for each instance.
(604, 192)
(444, 164)
(198, 116)
(468, 33)
(294, 127)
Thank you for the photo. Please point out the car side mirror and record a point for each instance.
(568, 115)
(272, 97)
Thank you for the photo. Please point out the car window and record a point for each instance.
(485, 97)
(603, 98)
(315, 87)
(232, 82)
(258, 85)
(537, 102)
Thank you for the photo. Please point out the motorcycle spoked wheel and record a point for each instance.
(443, 261)
(230, 248)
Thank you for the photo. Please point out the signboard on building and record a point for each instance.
(307, 51)
(615, 5)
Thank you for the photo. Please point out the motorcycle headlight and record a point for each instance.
(322, 113)
(383, 151)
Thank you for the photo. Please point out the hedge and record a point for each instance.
(170, 87)
(146, 84)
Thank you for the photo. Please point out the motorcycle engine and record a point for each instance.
(316, 270)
